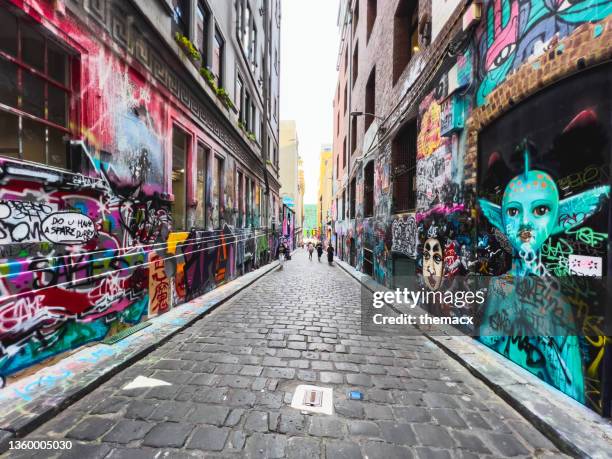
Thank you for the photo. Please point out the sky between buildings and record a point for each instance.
(309, 52)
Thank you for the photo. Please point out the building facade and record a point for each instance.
(310, 221)
(477, 140)
(324, 203)
(138, 162)
(292, 175)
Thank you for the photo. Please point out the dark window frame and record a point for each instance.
(371, 17)
(202, 44)
(42, 76)
(355, 68)
(353, 198)
(405, 31)
(181, 16)
(188, 136)
(354, 126)
(218, 41)
(368, 189)
(403, 167)
(370, 99)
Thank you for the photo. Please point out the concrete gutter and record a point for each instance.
(30, 401)
(571, 426)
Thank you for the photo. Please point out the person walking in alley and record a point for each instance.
(282, 254)
(319, 250)
(310, 250)
(330, 254)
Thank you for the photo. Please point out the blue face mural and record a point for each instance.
(531, 212)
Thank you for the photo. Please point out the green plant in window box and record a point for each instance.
(241, 125)
(210, 78)
(187, 47)
(252, 136)
(225, 98)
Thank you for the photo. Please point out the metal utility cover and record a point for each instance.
(314, 399)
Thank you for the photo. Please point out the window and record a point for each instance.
(247, 111)
(353, 135)
(344, 154)
(35, 91)
(343, 213)
(240, 221)
(337, 166)
(368, 188)
(276, 61)
(246, 32)
(345, 97)
(355, 63)
(180, 141)
(202, 25)
(355, 16)
(180, 16)
(370, 99)
(217, 193)
(239, 19)
(252, 202)
(405, 35)
(201, 160)
(353, 192)
(345, 60)
(372, 7)
(404, 149)
(253, 118)
(253, 49)
(239, 96)
(217, 58)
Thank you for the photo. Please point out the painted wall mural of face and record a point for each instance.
(433, 266)
(531, 212)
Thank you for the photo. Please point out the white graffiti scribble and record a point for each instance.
(404, 236)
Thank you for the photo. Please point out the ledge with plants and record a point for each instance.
(188, 47)
(219, 91)
(250, 135)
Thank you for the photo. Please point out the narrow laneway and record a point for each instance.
(233, 374)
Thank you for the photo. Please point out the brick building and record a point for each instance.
(465, 149)
(138, 162)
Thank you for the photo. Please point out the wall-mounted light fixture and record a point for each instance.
(366, 114)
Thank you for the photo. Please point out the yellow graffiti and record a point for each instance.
(174, 239)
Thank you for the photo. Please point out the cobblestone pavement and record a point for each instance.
(233, 374)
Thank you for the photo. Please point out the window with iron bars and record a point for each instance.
(404, 151)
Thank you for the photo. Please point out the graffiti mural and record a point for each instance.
(545, 304)
(89, 251)
(513, 31)
(404, 236)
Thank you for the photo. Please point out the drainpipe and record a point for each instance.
(265, 147)
(349, 106)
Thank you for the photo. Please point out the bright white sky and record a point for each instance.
(309, 51)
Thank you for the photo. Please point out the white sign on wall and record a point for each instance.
(441, 11)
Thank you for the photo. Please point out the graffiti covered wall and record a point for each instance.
(89, 252)
(518, 102)
(545, 189)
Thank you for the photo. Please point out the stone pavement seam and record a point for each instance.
(566, 423)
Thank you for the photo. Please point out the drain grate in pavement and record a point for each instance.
(314, 399)
(125, 333)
